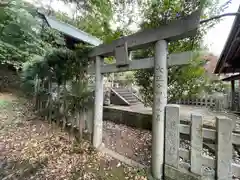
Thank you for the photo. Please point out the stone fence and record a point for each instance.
(216, 103)
(190, 162)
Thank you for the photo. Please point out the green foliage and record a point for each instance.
(22, 35)
(55, 75)
(79, 96)
(60, 66)
(129, 76)
(3, 103)
(182, 80)
(214, 86)
(24, 38)
(94, 18)
(30, 70)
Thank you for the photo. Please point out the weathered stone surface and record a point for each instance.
(89, 121)
(224, 148)
(116, 100)
(172, 173)
(107, 94)
(196, 143)
(132, 119)
(172, 135)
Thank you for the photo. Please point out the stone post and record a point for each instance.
(172, 136)
(224, 148)
(159, 103)
(98, 105)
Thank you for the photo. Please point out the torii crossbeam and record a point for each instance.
(176, 30)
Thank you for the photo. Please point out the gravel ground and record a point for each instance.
(133, 143)
(136, 144)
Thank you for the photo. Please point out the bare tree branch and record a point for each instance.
(219, 16)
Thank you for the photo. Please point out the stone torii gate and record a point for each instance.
(120, 48)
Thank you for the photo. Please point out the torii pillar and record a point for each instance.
(159, 103)
(179, 29)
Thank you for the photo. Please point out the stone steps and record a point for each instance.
(127, 95)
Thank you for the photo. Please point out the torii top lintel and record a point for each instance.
(175, 30)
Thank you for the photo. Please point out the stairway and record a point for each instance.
(127, 96)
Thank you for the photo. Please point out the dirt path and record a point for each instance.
(32, 149)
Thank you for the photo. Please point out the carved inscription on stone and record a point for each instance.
(160, 92)
(172, 135)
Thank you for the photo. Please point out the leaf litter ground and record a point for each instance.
(32, 149)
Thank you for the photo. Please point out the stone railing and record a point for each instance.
(217, 103)
(190, 162)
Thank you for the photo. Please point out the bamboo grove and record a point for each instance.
(60, 84)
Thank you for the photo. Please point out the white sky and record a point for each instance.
(214, 40)
(56, 5)
(217, 36)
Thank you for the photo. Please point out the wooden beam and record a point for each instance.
(233, 95)
(146, 63)
(232, 78)
(175, 30)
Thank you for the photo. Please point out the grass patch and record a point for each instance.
(4, 103)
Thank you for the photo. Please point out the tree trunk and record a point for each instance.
(50, 100)
(36, 91)
(73, 122)
(41, 97)
(79, 125)
(58, 105)
(64, 105)
(81, 120)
